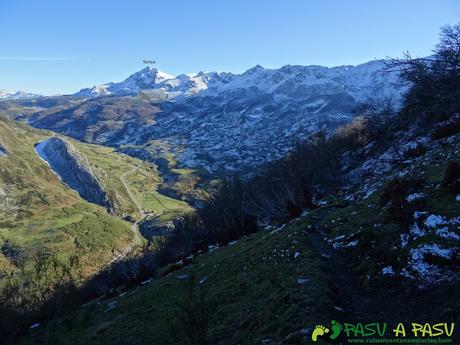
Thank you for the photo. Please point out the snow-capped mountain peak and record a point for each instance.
(149, 77)
(6, 94)
(146, 79)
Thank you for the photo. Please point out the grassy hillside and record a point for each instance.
(191, 184)
(39, 213)
(267, 286)
(117, 118)
(131, 183)
(275, 286)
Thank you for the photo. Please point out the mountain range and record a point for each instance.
(288, 82)
(218, 121)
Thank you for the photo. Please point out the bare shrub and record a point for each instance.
(394, 196)
(194, 313)
(451, 180)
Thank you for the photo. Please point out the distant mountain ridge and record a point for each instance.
(289, 80)
(12, 95)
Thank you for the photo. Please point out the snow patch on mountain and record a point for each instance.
(3, 151)
(421, 266)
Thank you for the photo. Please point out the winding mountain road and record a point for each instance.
(130, 193)
(137, 239)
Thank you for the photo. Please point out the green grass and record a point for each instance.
(254, 284)
(159, 203)
(186, 182)
(41, 214)
(110, 167)
(143, 179)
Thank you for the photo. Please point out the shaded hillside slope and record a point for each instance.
(345, 260)
(247, 282)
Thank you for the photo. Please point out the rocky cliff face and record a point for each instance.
(73, 169)
(154, 226)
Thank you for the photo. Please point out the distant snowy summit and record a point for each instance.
(293, 82)
(151, 78)
(11, 95)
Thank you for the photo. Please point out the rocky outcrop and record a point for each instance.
(154, 226)
(73, 169)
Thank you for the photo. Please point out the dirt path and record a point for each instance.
(352, 300)
(130, 193)
(381, 301)
(142, 213)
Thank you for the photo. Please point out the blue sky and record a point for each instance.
(60, 46)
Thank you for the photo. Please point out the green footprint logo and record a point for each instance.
(318, 332)
(336, 329)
